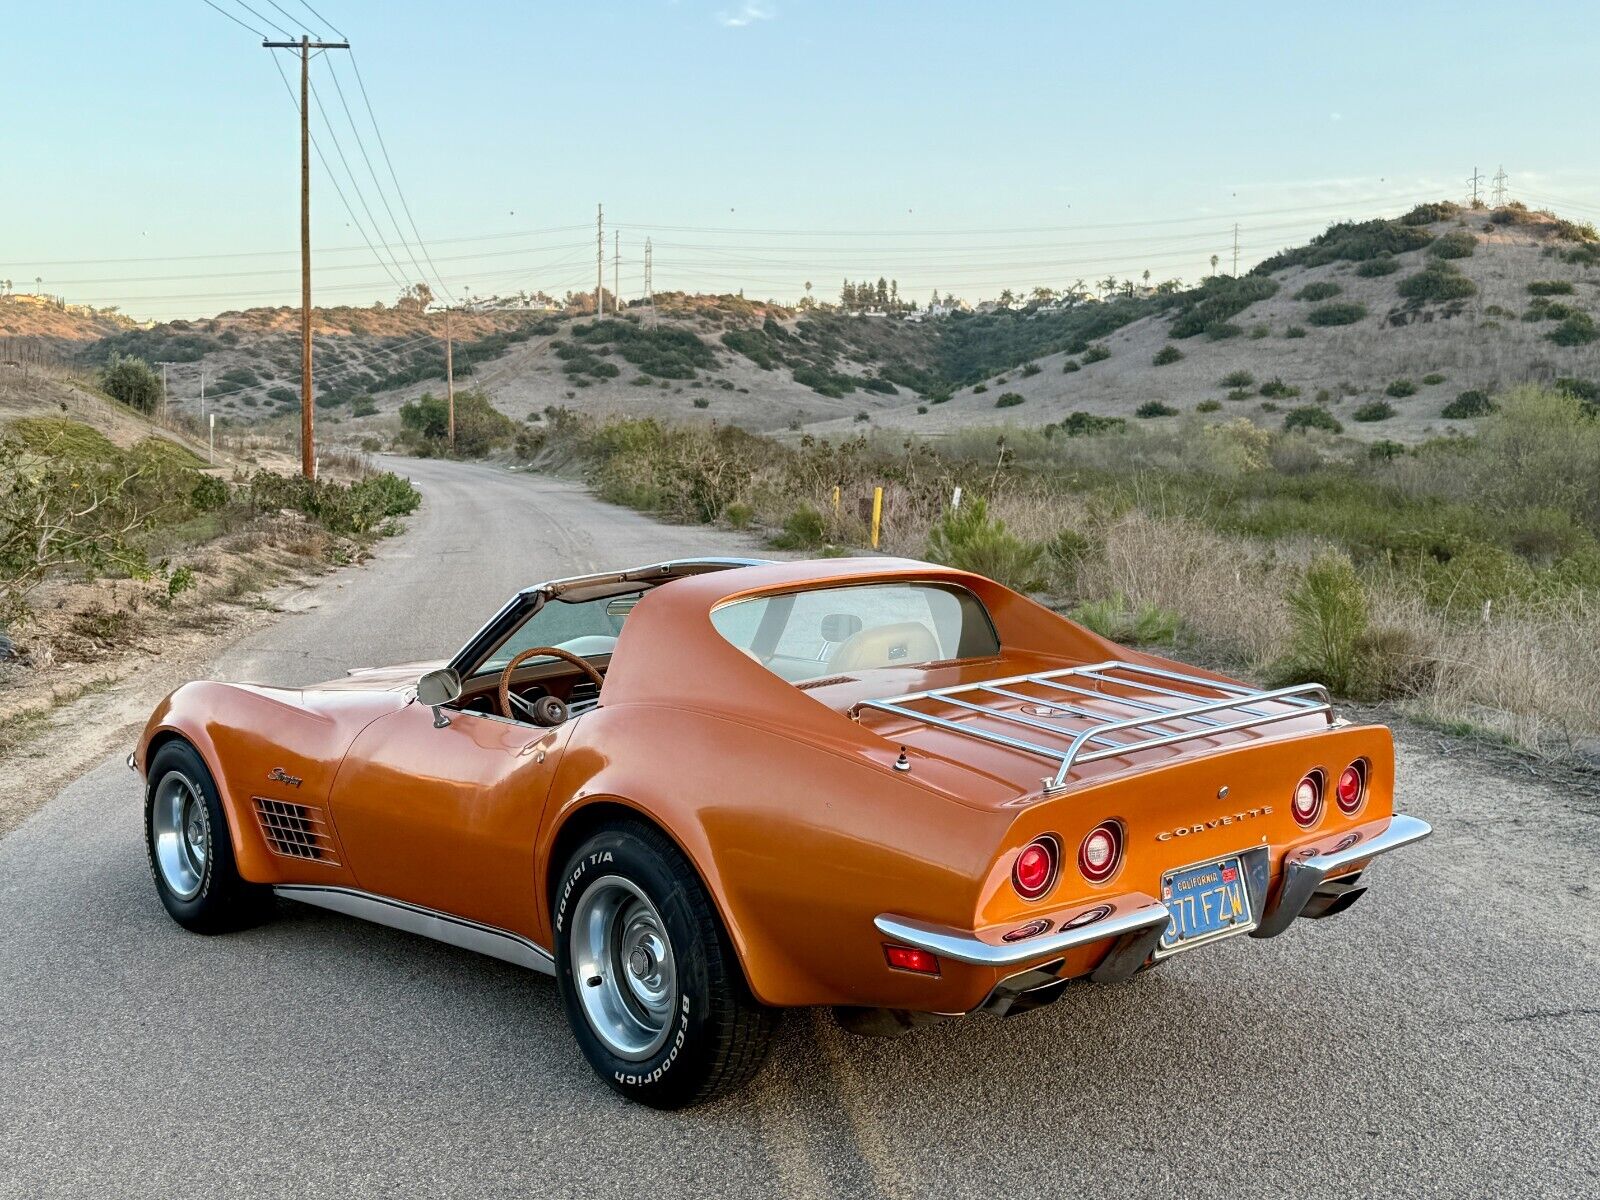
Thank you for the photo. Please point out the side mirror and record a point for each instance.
(438, 688)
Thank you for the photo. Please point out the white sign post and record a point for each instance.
(211, 454)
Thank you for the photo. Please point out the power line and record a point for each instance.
(234, 19)
(323, 19)
(265, 20)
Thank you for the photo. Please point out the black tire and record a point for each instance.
(718, 1034)
(222, 901)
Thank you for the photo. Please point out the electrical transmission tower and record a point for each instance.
(600, 260)
(649, 281)
(1236, 249)
(1500, 188)
(308, 449)
(1475, 181)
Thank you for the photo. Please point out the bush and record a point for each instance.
(131, 381)
(1350, 242)
(1455, 244)
(1069, 365)
(1470, 403)
(1328, 621)
(1166, 355)
(979, 389)
(803, 529)
(863, 415)
(283, 395)
(1433, 378)
(967, 539)
(355, 508)
(1206, 406)
(363, 406)
(1098, 352)
(1373, 268)
(1154, 408)
(1437, 282)
(1221, 331)
(1376, 410)
(1346, 313)
(1321, 290)
(480, 427)
(1243, 393)
(1031, 368)
(1086, 424)
(738, 514)
(1008, 400)
(701, 402)
(922, 409)
(1216, 300)
(1400, 388)
(1119, 621)
(1237, 379)
(1550, 287)
(1276, 389)
(1427, 214)
(1576, 329)
(1309, 416)
(208, 494)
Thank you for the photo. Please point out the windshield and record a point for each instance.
(585, 627)
(813, 634)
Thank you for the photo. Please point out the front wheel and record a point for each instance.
(651, 986)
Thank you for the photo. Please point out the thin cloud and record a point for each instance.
(746, 14)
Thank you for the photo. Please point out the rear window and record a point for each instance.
(862, 627)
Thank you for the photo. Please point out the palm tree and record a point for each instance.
(1214, 261)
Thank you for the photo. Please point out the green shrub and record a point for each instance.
(1550, 287)
(966, 538)
(1119, 621)
(1427, 214)
(283, 395)
(1218, 299)
(922, 409)
(979, 389)
(480, 427)
(1237, 379)
(1166, 355)
(1373, 268)
(363, 406)
(1309, 416)
(1206, 406)
(1576, 329)
(1221, 331)
(1433, 378)
(1456, 244)
(803, 529)
(1155, 408)
(1086, 424)
(701, 402)
(1243, 393)
(863, 415)
(1008, 400)
(208, 494)
(738, 514)
(1257, 332)
(1098, 352)
(1375, 410)
(1328, 623)
(1069, 365)
(1439, 281)
(1350, 242)
(1470, 403)
(1321, 290)
(1346, 313)
(1276, 389)
(131, 381)
(1400, 388)
(1030, 368)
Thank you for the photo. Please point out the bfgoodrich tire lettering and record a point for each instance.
(667, 1019)
(190, 853)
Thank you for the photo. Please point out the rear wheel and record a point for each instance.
(191, 855)
(651, 986)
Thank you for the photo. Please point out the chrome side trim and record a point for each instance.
(962, 946)
(413, 918)
(1302, 878)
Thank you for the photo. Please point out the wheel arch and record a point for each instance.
(165, 736)
(581, 821)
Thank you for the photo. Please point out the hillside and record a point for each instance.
(1380, 324)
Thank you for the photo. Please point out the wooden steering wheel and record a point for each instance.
(522, 656)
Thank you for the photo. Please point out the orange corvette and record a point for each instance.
(703, 791)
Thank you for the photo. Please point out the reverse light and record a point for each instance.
(1307, 802)
(1036, 866)
(910, 958)
(1352, 787)
(1101, 852)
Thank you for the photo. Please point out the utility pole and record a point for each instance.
(1473, 181)
(1236, 249)
(308, 448)
(164, 365)
(600, 260)
(1500, 188)
(616, 269)
(202, 393)
(450, 380)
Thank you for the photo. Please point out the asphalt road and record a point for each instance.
(1441, 1038)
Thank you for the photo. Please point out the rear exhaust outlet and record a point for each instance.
(1333, 897)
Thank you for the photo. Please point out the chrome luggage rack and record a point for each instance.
(1159, 723)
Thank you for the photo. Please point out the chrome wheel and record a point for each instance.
(180, 834)
(623, 967)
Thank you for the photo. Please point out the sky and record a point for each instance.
(151, 150)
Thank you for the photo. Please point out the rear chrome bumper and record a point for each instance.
(1314, 884)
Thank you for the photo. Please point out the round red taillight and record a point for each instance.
(1101, 852)
(1307, 802)
(1352, 787)
(1035, 868)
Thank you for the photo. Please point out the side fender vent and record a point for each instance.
(295, 830)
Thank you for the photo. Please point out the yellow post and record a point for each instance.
(877, 515)
(836, 502)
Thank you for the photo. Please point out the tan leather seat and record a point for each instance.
(886, 646)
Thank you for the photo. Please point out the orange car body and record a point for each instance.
(824, 831)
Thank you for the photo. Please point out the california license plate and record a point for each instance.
(1207, 901)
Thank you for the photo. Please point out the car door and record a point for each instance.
(446, 817)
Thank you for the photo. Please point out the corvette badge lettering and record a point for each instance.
(1166, 835)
